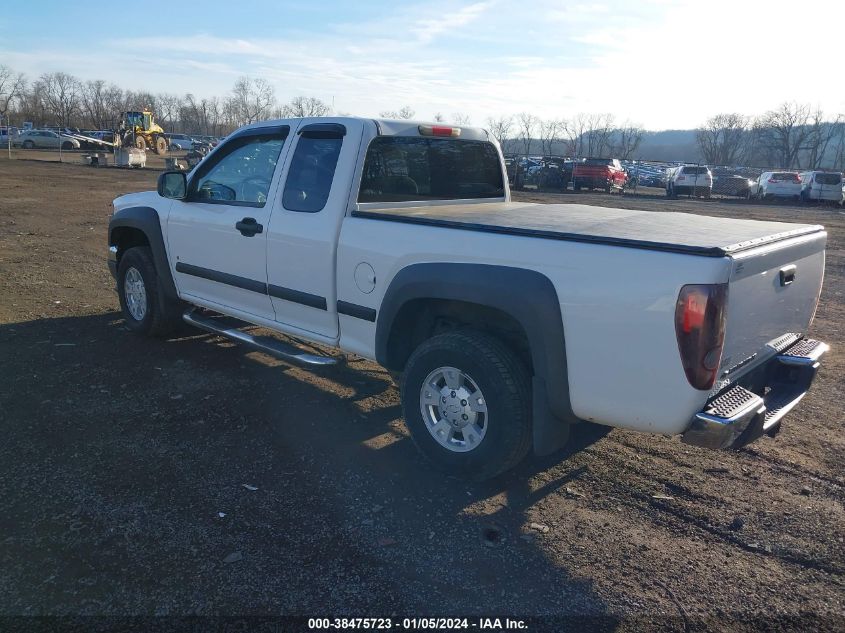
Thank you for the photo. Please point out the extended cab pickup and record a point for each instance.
(504, 323)
(599, 173)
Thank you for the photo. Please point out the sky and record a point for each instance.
(662, 64)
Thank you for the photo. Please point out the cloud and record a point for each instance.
(426, 29)
(660, 65)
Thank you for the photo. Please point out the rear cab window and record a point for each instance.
(409, 168)
(693, 170)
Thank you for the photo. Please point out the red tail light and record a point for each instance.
(439, 130)
(680, 177)
(773, 180)
(700, 328)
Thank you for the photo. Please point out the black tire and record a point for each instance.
(162, 315)
(504, 382)
(67, 145)
(28, 145)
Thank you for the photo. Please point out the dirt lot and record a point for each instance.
(121, 455)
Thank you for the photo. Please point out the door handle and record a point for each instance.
(249, 227)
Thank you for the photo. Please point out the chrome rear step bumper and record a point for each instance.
(266, 344)
(739, 415)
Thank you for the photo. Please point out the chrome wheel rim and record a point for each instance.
(135, 294)
(454, 409)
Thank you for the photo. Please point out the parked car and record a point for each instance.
(821, 185)
(44, 139)
(738, 186)
(505, 322)
(777, 184)
(689, 180)
(599, 173)
(6, 133)
(180, 141)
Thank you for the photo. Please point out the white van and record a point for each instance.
(821, 185)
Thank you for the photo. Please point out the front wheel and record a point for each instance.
(146, 309)
(466, 402)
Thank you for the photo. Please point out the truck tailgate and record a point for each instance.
(773, 291)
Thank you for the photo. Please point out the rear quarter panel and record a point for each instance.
(617, 305)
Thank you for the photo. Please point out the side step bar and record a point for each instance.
(266, 344)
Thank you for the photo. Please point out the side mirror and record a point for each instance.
(173, 184)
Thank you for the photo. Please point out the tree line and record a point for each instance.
(63, 100)
(792, 136)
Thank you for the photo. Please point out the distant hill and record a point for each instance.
(669, 145)
(664, 146)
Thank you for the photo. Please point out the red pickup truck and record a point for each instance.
(599, 173)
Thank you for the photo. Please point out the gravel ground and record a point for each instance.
(190, 476)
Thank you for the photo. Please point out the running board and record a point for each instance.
(266, 344)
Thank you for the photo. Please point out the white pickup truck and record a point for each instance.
(504, 323)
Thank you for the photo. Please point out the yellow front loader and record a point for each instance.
(140, 130)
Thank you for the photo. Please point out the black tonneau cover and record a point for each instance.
(674, 232)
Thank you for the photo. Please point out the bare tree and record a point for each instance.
(839, 147)
(12, 85)
(821, 134)
(550, 131)
(61, 96)
(100, 103)
(626, 140)
(783, 132)
(598, 129)
(305, 107)
(526, 124)
(251, 100)
(405, 112)
(500, 128)
(169, 107)
(723, 138)
(461, 118)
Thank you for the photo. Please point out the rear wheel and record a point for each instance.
(28, 145)
(67, 145)
(145, 307)
(466, 402)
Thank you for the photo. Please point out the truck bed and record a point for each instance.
(674, 232)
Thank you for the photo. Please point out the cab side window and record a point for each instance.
(240, 173)
(312, 168)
